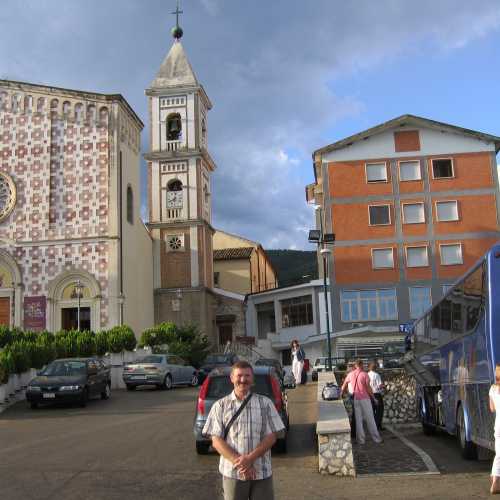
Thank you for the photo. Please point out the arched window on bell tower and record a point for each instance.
(174, 127)
(130, 205)
(174, 199)
(203, 133)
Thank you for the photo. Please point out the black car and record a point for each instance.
(218, 384)
(216, 361)
(72, 380)
(274, 363)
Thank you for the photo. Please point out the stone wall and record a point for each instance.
(334, 434)
(335, 454)
(399, 398)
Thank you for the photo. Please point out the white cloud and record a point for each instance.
(270, 70)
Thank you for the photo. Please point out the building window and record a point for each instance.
(420, 300)
(413, 213)
(446, 288)
(442, 168)
(266, 322)
(451, 254)
(382, 258)
(417, 257)
(364, 305)
(297, 311)
(130, 205)
(376, 172)
(446, 211)
(410, 171)
(216, 278)
(380, 215)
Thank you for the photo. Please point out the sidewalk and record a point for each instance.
(390, 471)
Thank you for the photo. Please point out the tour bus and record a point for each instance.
(452, 352)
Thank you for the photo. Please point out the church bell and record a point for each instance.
(174, 127)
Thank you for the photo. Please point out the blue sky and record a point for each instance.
(286, 77)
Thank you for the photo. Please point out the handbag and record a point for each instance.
(236, 415)
(330, 392)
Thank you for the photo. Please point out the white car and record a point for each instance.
(162, 370)
(319, 366)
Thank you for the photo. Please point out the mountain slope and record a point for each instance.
(293, 266)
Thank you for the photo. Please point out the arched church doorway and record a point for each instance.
(10, 291)
(75, 301)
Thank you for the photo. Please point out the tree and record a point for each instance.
(189, 343)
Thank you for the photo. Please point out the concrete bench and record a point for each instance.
(334, 433)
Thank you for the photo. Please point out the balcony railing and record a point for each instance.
(173, 145)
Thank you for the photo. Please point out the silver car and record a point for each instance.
(162, 370)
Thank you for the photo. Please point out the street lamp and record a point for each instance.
(77, 293)
(322, 239)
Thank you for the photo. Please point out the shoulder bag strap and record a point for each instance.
(355, 384)
(236, 415)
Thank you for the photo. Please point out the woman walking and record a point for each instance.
(298, 356)
(495, 408)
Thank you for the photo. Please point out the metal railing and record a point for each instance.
(243, 351)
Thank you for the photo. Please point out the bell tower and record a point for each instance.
(179, 184)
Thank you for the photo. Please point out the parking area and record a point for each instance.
(140, 445)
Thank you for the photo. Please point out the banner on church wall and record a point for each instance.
(35, 313)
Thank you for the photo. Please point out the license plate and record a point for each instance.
(139, 377)
(49, 395)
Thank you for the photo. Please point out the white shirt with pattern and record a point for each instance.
(258, 419)
(375, 382)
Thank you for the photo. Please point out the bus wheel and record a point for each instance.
(426, 428)
(468, 448)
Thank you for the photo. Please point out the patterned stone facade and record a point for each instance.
(61, 151)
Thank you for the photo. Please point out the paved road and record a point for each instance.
(139, 446)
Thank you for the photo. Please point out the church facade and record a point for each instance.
(180, 209)
(73, 249)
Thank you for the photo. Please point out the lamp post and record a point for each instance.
(322, 239)
(78, 292)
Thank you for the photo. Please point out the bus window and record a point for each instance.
(473, 298)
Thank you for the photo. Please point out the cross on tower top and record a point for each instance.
(177, 30)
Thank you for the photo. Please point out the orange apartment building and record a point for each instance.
(413, 204)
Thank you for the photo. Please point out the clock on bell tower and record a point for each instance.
(179, 184)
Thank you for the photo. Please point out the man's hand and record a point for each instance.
(249, 474)
(243, 462)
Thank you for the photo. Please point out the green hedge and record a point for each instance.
(22, 350)
(186, 341)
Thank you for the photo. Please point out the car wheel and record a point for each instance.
(106, 393)
(33, 405)
(202, 448)
(84, 398)
(130, 387)
(167, 382)
(194, 380)
(280, 445)
(469, 449)
(427, 429)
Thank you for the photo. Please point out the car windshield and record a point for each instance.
(65, 368)
(150, 359)
(218, 360)
(267, 362)
(394, 349)
(221, 386)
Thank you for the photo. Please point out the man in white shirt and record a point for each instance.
(378, 389)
